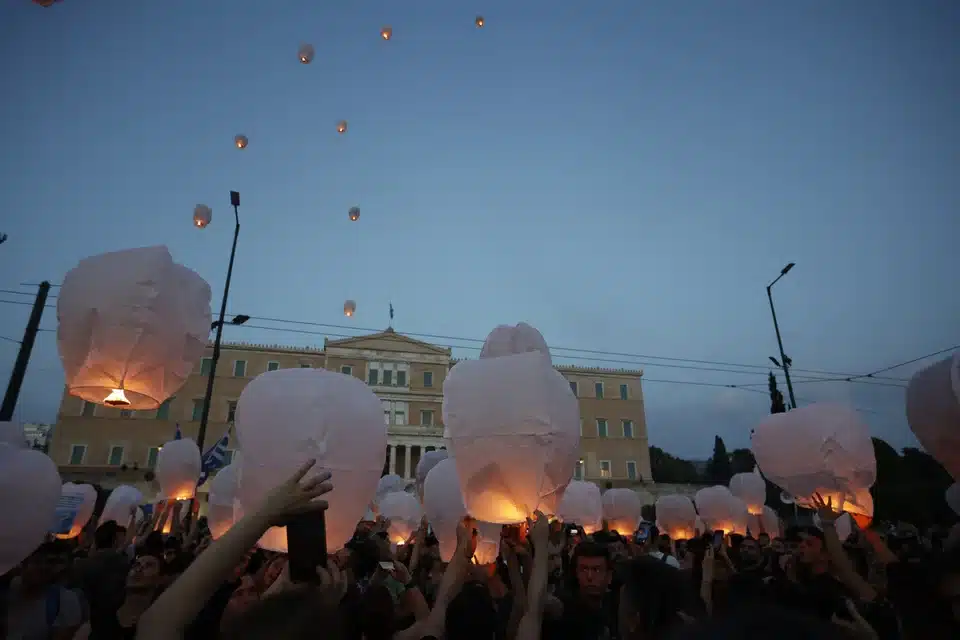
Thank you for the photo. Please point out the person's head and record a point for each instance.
(145, 573)
(778, 545)
(108, 535)
(663, 543)
(243, 597)
(45, 565)
(171, 549)
(763, 540)
(652, 597)
(749, 550)
(811, 550)
(471, 614)
(293, 615)
(376, 613)
(593, 569)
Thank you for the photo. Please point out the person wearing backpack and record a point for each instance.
(37, 606)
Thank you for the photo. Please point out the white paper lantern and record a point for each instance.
(202, 215)
(305, 53)
(933, 411)
(84, 497)
(241, 141)
(131, 327)
(443, 505)
(677, 517)
(349, 308)
(29, 492)
(402, 509)
(386, 33)
(178, 469)
(721, 510)
(952, 497)
(582, 505)
(751, 488)
(622, 510)
(288, 416)
(768, 522)
(119, 503)
(514, 428)
(354, 214)
(488, 542)
(428, 461)
(220, 499)
(388, 484)
(818, 448)
(507, 340)
(342, 126)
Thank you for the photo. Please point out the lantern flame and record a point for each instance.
(386, 33)
(479, 21)
(342, 126)
(117, 398)
(241, 141)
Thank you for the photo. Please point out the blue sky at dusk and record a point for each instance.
(627, 176)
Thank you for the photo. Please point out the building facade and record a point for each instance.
(94, 443)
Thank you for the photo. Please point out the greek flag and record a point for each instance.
(214, 458)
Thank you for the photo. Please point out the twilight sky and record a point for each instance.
(626, 177)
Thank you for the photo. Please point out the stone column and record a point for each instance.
(393, 458)
(406, 463)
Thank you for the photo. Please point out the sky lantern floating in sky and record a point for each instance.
(751, 488)
(386, 33)
(676, 517)
(443, 505)
(85, 498)
(933, 411)
(505, 340)
(818, 448)
(241, 141)
(305, 53)
(403, 511)
(289, 416)
(622, 510)
(29, 492)
(349, 308)
(131, 326)
(582, 505)
(514, 427)
(479, 22)
(354, 214)
(342, 126)
(220, 499)
(178, 469)
(720, 510)
(202, 215)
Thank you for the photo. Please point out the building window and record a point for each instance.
(205, 365)
(152, 454)
(394, 412)
(126, 413)
(601, 427)
(573, 387)
(116, 456)
(197, 410)
(89, 409)
(231, 410)
(624, 392)
(163, 411)
(604, 468)
(627, 428)
(77, 453)
(400, 413)
(273, 365)
(387, 377)
(426, 418)
(228, 456)
(239, 368)
(401, 378)
(578, 471)
(631, 470)
(306, 365)
(373, 377)
(346, 370)
(598, 388)
(428, 379)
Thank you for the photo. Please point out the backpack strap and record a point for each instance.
(53, 605)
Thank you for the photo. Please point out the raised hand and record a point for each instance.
(825, 509)
(296, 495)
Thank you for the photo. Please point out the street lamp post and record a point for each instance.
(784, 360)
(202, 432)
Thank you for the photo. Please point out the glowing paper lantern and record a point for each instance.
(86, 498)
(349, 308)
(506, 340)
(751, 488)
(488, 542)
(220, 499)
(29, 492)
(933, 411)
(178, 469)
(443, 505)
(305, 53)
(342, 126)
(721, 510)
(402, 509)
(819, 448)
(202, 215)
(952, 497)
(354, 214)
(428, 461)
(514, 428)
(860, 508)
(390, 483)
(479, 22)
(676, 516)
(119, 504)
(131, 326)
(241, 141)
(622, 510)
(768, 522)
(582, 505)
(288, 416)
(386, 33)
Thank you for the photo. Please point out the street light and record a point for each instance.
(218, 325)
(785, 362)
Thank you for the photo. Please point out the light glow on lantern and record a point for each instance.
(202, 215)
(479, 21)
(342, 126)
(386, 33)
(354, 213)
(116, 398)
(305, 54)
(241, 141)
(349, 308)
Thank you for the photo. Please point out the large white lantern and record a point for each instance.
(120, 503)
(288, 416)
(676, 517)
(178, 469)
(507, 340)
(818, 448)
(202, 215)
(721, 510)
(751, 488)
(220, 499)
(29, 492)
(768, 522)
(514, 428)
(131, 326)
(80, 500)
(933, 411)
(349, 308)
(354, 214)
(428, 461)
(402, 509)
(582, 505)
(388, 484)
(622, 510)
(305, 53)
(952, 496)
(443, 505)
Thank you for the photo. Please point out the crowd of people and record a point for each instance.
(551, 580)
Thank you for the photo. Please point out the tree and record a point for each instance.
(719, 470)
(742, 461)
(776, 398)
(670, 469)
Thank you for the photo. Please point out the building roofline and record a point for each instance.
(573, 368)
